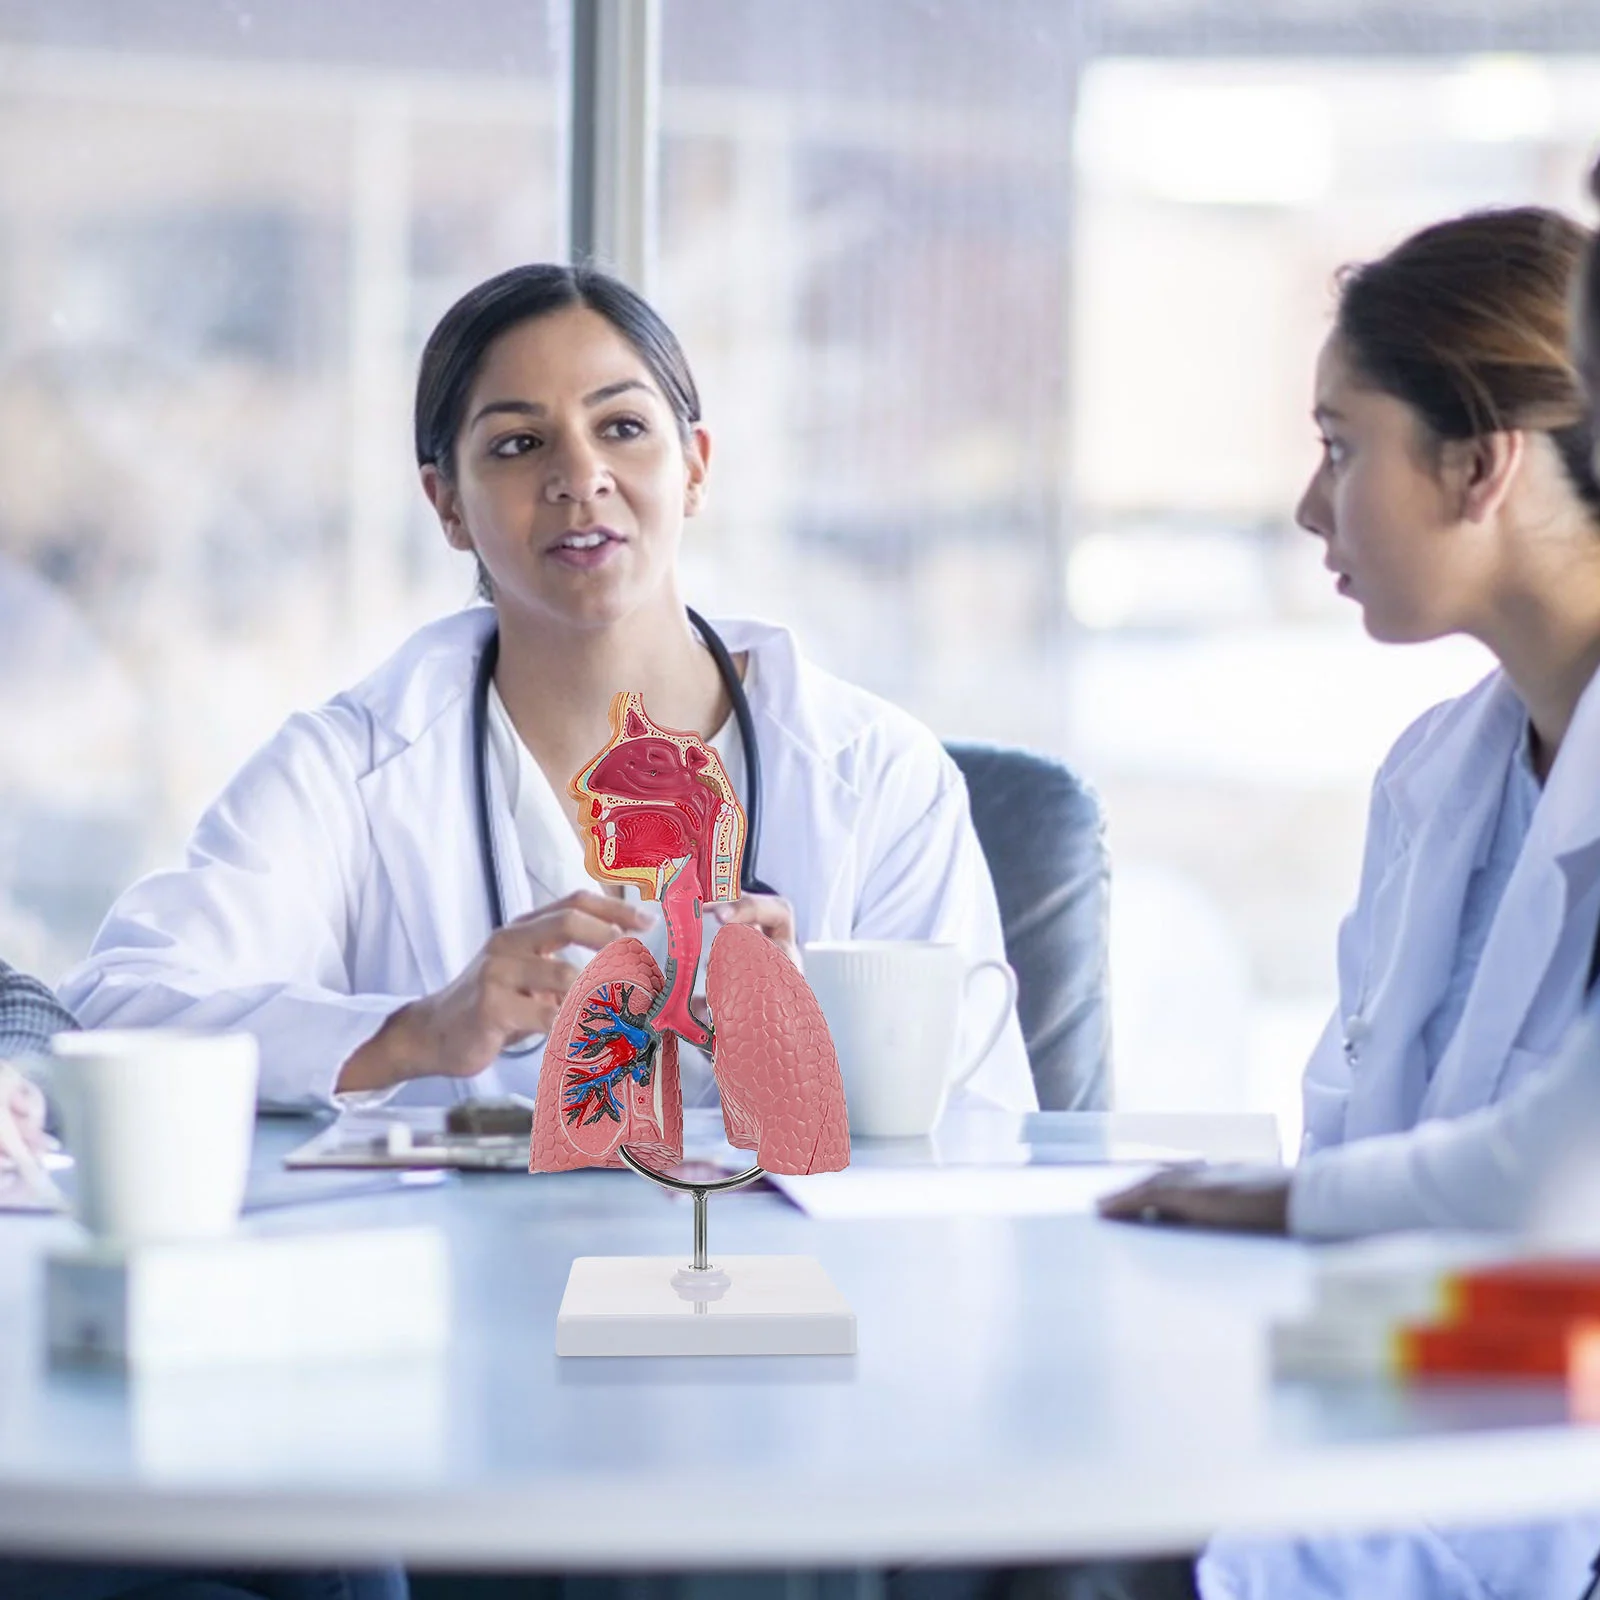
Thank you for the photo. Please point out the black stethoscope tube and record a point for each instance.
(489, 860)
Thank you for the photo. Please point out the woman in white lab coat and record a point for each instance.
(336, 900)
(1457, 492)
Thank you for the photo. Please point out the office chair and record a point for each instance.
(1052, 877)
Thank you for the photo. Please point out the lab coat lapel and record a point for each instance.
(419, 799)
(421, 812)
(1445, 798)
(1556, 870)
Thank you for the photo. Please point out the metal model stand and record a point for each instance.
(742, 1306)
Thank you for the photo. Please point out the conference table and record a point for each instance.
(1027, 1388)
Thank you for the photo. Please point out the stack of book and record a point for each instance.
(1453, 1309)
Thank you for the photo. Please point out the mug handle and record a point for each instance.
(965, 1075)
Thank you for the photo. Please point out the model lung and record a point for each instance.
(774, 1058)
(608, 1078)
(662, 814)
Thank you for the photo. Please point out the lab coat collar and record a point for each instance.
(428, 675)
(419, 704)
(785, 697)
(1441, 773)
(1434, 782)
(434, 669)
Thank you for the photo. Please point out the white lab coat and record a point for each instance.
(338, 875)
(1387, 1148)
(1366, 1166)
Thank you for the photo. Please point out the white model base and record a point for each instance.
(744, 1306)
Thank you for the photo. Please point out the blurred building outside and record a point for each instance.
(1005, 333)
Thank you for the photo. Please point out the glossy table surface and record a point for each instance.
(1026, 1388)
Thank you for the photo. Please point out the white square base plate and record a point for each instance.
(771, 1306)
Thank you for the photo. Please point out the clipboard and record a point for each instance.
(476, 1136)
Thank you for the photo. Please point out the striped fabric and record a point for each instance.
(29, 1014)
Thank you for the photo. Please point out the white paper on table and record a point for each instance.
(958, 1191)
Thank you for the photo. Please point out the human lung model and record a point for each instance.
(620, 1080)
(662, 814)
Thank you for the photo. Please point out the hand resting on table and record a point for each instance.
(1244, 1198)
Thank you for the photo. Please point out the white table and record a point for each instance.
(1026, 1389)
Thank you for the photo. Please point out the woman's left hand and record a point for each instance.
(771, 913)
(1249, 1199)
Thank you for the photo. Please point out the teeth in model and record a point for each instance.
(582, 541)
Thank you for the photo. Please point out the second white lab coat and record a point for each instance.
(1363, 1169)
(338, 876)
(1389, 1147)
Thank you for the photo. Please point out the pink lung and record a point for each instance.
(608, 1077)
(774, 1059)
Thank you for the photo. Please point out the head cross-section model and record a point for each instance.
(653, 799)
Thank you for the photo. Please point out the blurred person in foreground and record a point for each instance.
(29, 1015)
(1459, 491)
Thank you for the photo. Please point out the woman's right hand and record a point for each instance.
(511, 989)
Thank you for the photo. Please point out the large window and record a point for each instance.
(1004, 312)
(1226, 700)
(224, 232)
(1006, 317)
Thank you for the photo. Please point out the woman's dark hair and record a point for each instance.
(1469, 323)
(456, 347)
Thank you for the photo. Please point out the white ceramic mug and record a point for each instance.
(894, 1008)
(159, 1125)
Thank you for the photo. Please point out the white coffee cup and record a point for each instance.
(159, 1125)
(894, 1008)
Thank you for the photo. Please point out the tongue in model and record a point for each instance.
(661, 813)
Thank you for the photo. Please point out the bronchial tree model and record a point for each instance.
(661, 813)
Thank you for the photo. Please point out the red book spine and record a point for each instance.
(1549, 1290)
(1511, 1348)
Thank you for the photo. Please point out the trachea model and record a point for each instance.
(661, 813)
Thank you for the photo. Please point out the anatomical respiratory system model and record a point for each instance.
(661, 813)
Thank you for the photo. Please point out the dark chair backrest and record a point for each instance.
(1043, 836)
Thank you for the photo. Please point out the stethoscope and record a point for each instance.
(749, 882)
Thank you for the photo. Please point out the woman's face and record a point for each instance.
(1383, 510)
(571, 479)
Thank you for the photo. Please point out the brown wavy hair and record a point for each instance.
(1470, 323)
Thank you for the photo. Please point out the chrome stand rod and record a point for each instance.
(698, 1191)
(700, 1263)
